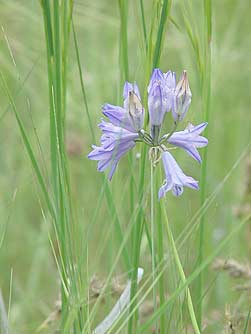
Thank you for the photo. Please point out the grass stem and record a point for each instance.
(181, 272)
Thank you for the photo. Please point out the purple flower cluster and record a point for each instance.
(125, 128)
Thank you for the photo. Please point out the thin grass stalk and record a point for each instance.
(163, 19)
(28, 147)
(57, 143)
(137, 237)
(117, 224)
(143, 23)
(107, 191)
(133, 318)
(82, 83)
(115, 262)
(66, 23)
(56, 30)
(245, 330)
(160, 257)
(137, 230)
(50, 54)
(181, 271)
(206, 96)
(192, 277)
(124, 74)
(123, 10)
(142, 329)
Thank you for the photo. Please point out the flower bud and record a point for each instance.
(182, 98)
(136, 111)
(160, 99)
(155, 98)
(133, 105)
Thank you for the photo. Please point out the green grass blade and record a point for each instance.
(163, 19)
(194, 275)
(29, 149)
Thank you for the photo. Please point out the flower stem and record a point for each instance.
(153, 238)
(160, 258)
(167, 136)
(181, 272)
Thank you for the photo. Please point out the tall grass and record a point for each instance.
(87, 50)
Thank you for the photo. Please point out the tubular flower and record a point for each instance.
(190, 139)
(125, 128)
(160, 99)
(175, 178)
(131, 116)
(115, 142)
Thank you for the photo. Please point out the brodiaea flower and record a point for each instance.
(175, 178)
(190, 140)
(115, 141)
(160, 99)
(119, 136)
(126, 128)
(131, 116)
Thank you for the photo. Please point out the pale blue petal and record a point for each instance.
(118, 116)
(190, 139)
(175, 178)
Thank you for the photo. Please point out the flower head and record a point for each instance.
(182, 98)
(125, 128)
(175, 178)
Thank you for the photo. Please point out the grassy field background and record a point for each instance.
(29, 277)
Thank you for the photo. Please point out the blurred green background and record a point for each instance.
(26, 261)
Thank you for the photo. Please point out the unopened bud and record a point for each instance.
(134, 106)
(182, 98)
(136, 111)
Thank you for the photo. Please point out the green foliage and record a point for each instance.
(62, 222)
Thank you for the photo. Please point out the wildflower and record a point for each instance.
(175, 178)
(190, 139)
(131, 117)
(125, 128)
(116, 142)
(182, 98)
(119, 136)
(160, 99)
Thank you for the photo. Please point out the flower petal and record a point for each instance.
(108, 156)
(160, 95)
(175, 178)
(118, 116)
(190, 139)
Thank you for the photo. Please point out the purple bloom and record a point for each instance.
(125, 128)
(182, 99)
(160, 95)
(131, 116)
(118, 116)
(160, 99)
(175, 178)
(115, 142)
(190, 139)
